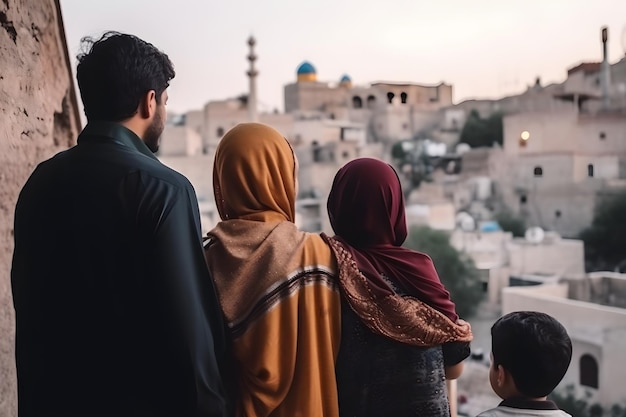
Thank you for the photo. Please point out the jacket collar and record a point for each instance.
(525, 403)
(114, 132)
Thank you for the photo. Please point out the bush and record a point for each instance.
(456, 270)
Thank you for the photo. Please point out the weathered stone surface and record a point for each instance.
(38, 117)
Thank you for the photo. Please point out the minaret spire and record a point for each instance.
(252, 74)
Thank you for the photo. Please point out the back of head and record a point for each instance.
(366, 204)
(534, 348)
(254, 175)
(116, 71)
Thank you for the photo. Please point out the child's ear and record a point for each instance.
(501, 376)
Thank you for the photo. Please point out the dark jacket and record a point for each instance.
(116, 314)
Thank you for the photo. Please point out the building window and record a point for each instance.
(403, 97)
(357, 103)
(390, 97)
(405, 126)
(538, 172)
(602, 135)
(220, 132)
(371, 100)
(557, 214)
(345, 154)
(523, 199)
(590, 170)
(588, 371)
(317, 151)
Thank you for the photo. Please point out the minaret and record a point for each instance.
(605, 70)
(252, 73)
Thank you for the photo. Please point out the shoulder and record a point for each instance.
(157, 171)
(317, 252)
(505, 411)
(154, 176)
(494, 412)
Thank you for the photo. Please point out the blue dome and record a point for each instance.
(346, 78)
(306, 68)
(490, 226)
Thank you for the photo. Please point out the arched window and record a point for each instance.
(371, 101)
(220, 132)
(538, 172)
(588, 371)
(403, 97)
(357, 103)
(390, 97)
(590, 170)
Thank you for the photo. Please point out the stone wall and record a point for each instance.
(39, 117)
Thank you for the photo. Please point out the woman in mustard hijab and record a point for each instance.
(276, 284)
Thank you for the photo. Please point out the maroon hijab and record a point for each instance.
(366, 210)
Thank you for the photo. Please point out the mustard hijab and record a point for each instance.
(256, 244)
(254, 175)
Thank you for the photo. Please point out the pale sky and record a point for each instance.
(484, 48)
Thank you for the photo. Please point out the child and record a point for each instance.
(530, 354)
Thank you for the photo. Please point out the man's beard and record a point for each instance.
(152, 137)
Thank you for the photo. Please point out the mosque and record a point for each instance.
(379, 112)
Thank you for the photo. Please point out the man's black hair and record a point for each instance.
(116, 71)
(534, 348)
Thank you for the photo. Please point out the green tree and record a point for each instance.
(456, 270)
(605, 239)
(509, 222)
(478, 132)
(398, 152)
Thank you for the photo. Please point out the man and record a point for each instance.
(116, 314)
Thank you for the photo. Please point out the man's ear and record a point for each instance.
(147, 105)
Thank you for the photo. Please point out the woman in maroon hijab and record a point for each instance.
(401, 336)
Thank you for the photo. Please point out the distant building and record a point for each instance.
(391, 111)
(564, 149)
(569, 160)
(327, 124)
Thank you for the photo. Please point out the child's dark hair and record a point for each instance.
(534, 348)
